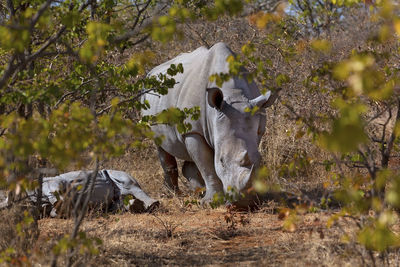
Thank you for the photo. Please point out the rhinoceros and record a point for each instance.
(220, 152)
(109, 190)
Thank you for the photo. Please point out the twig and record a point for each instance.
(80, 208)
(7, 205)
(142, 92)
(203, 40)
(169, 227)
(135, 31)
(370, 169)
(303, 119)
(140, 12)
(389, 147)
(10, 7)
(9, 71)
(39, 13)
(12, 67)
(377, 115)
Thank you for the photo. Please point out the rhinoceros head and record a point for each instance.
(236, 134)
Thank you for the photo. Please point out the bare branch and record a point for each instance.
(135, 31)
(304, 120)
(371, 168)
(82, 204)
(39, 13)
(10, 7)
(389, 147)
(9, 71)
(39, 52)
(136, 97)
(383, 143)
(140, 12)
(377, 115)
(141, 39)
(129, 34)
(204, 41)
(13, 68)
(379, 141)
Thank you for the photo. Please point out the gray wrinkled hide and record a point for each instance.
(110, 188)
(221, 150)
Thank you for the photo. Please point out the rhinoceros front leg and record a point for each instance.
(192, 174)
(170, 167)
(203, 157)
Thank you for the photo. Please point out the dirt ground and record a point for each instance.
(203, 237)
(182, 234)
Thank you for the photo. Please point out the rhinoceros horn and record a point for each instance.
(264, 101)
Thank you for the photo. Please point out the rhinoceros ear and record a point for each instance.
(215, 97)
(264, 101)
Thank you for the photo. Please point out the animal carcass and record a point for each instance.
(109, 192)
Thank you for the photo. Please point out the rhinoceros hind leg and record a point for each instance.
(192, 174)
(203, 157)
(170, 167)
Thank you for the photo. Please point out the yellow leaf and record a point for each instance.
(140, 61)
(114, 101)
(260, 186)
(101, 42)
(397, 26)
(397, 128)
(345, 238)
(261, 19)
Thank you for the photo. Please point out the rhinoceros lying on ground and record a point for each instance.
(110, 189)
(221, 150)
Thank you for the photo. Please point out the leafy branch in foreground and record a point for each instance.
(65, 93)
(360, 125)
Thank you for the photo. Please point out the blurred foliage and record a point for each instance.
(68, 90)
(360, 128)
(83, 242)
(222, 198)
(19, 231)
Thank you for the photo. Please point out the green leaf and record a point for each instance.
(321, 45)
(378, 238)
(281, 79)
(71, 19)
(347, 130)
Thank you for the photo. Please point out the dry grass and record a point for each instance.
(190, 235)
(17, 231)
(202, 238)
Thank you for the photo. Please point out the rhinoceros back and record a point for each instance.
(190, 91)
